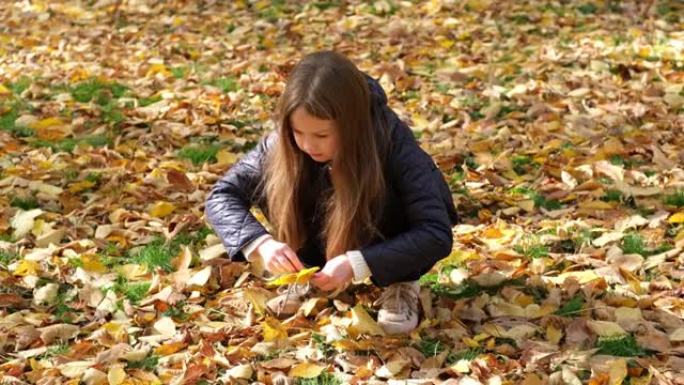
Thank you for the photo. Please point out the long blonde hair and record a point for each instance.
(328, 86)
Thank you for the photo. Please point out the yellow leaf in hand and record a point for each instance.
(677, 218)
(303, 276)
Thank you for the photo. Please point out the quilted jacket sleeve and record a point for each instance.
(230, 199)
(429, 238)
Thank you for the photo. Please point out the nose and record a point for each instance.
(308, 147)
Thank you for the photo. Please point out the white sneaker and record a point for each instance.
(399, 307)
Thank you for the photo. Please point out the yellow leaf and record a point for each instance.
(158, 68)
(606, 328)
(116, 375)
(471, 343)
(299, 277)
(169, 348)
(478, 5)
(273, 330)
(46, 123)
(80, 186)
(25, 268)
(92, 264)
(306, 370)
(225, 157)
(458, 257)
(362, 323)
(677, 218)
(618, 371)
(161, 209)
(132, 271)
(596, 205)
(553, 334)
(4, 90)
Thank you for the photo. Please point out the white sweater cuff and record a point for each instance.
(359, 265)
(251, 246)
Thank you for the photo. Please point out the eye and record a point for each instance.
(321, 136)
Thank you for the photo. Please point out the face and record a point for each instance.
(315, 137)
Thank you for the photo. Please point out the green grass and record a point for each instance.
(144, 102)
(468, 289)
(133, 291)
(622, 346)
(98, 91)
(675, 199)
(531, 248)
(430, 347)
(155, 254)
(324, 378)
(225, 84)
(7, 258)
(24, 203)
(612, 196)
(55, 351)
(571, 308)
(539, 200)
(148, 364)
(634, 244)
(522, 164)
(326, 349)
(20, 85)
(199, 154)
(62, 311)
(176, 312)
(467, 354)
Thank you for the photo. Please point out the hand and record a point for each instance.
(336, 273)
(278, 257)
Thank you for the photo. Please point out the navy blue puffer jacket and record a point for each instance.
(418, 215)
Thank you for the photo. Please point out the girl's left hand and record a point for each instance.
(336, 273)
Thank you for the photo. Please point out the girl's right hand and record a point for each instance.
(278, 257)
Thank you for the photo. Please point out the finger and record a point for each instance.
(292, 257)
(276, 267)
(285, 262)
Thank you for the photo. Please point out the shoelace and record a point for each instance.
(398, 297)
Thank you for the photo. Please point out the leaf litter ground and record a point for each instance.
(557, 125)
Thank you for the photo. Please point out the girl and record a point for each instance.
(345, 186)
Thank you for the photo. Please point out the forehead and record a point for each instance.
(301, 120)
